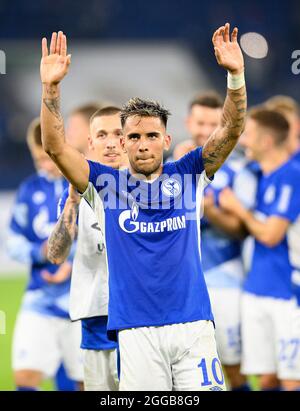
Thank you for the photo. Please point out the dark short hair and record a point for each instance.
(144, 108)
(34, 133)
(210, 99)
(87, 110)
(275, 122)
(105, 111)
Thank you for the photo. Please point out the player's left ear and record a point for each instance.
(167, 142)
(90, 143)
(122, 142)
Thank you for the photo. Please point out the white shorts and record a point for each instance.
(225, 304)
(43, 342)
(100, 370)
(271, 342)
(181, 357)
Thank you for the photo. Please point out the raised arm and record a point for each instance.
(223, 140)
(64, 232)
(54, 67)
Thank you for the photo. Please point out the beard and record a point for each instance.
(146, 168)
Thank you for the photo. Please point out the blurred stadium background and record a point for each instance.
(160, 49)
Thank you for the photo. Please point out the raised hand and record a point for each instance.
(227, 50)
(54, 65)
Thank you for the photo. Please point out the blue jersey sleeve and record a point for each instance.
(62, 202)
(191, 163)
(20, 215)
(287, 204)
(19, 246)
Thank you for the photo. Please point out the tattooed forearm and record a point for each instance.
(53, 106)
(52, 120)
(61, 239)
(69, 160)
(51, 98)
(223, 140)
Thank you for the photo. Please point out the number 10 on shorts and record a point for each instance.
(217, 372)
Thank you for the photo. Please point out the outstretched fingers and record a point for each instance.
(44, 47)
(53, 43)
(214, 37)
(226, 32)
(63, 48)
(58, 42)
(222, 34)
(218, 36)
(234, 35)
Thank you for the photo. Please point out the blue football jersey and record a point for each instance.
(221, 253)
(294, 236)
(217, 247)
(93, 330)
(152, 235)
(278, 194)
(33, 218)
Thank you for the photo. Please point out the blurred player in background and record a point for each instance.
(270, 345)
(165, 335)
(44, 335)
(205, 113)
(89, 289)
(221, 240)
(78, 126)
(288, 107)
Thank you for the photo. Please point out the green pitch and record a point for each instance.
(11, 291)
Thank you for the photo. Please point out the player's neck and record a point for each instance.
(273, 160)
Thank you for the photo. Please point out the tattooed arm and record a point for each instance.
(223, 140)
(65, 230)
(54, 66)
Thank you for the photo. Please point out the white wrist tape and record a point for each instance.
(235, 81)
